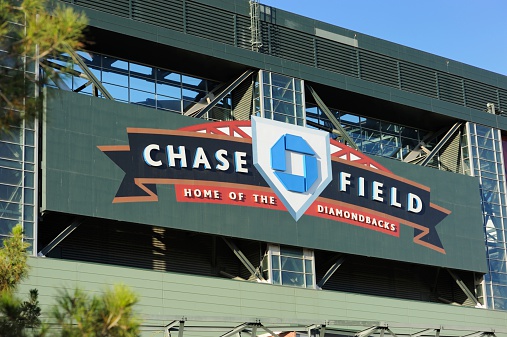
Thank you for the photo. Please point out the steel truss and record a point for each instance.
(231, 326)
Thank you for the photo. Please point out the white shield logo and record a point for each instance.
(295, 161)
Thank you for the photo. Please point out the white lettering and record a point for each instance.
(394, 197)
(377, 191)
(172, 156)
(201, 159)
(239, 161)
(223, 163)
(147, 155)
(344, 181)
(414, 203)
(360, 187)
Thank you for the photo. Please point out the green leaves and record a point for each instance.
(13, 257)
(29, 32)
(16, 316)
(110, 314)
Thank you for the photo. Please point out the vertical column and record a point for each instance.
(487, 163)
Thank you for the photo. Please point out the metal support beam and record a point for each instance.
(168, 327)
(254, 331)
(366, 332)
(220, 96)
(322, 332)
(331, 270)
(463, 287)
(441, 143)
(181, 329)
(77, 59)
(253, 271)
(420, 333)
(60, 237)
(234, 331)
(316, 327)
(269, 331)
(332, 119)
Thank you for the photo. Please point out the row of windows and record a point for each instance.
(372, 136)
(144, 85)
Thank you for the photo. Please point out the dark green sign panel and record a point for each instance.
(130, 163)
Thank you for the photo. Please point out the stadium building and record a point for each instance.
(250, 171)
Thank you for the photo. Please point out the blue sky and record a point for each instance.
(468, 31)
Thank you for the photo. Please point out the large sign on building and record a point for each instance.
(261, 180)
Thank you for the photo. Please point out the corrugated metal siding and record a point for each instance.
(502, 97)
(167, 14)
(376, 277)
(145, 247)
(450, 155)
(479, 94)
(116, 7)
(450, 88)
(209, 22)
(378, 68)
(417, 79)
(242, 100)
(336, 57)
(243, 35)
(291, 44)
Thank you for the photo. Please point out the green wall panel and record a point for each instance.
(80, 179)
(164, 296)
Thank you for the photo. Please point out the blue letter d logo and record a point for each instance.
(293, 182)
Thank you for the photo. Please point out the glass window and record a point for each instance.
(10, 210)
(6, 225)
(140, 69)
(13, 135)
(143, 84)
(193, 95)
(141, 97)
(115, 78)
(10, 193)
(118, 92)
(290, 266)
(11, 163)
(114, 64)
(11, 151)
(283, 94)
(168, 103)
(11, 177)
(283, 108)
(169, 76)
(191, 81)
(282, 81)
(29, 154)
(168, 89)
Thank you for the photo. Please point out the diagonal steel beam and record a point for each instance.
(168, 327)
(76, 58)
(227, 90)
(420, 333)
(441, 143)
(239, 254)
(234, 331)
(367, 332)
(331, 271)
(269, 331)
(60, 237)
(463, 287)
(332, 119)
